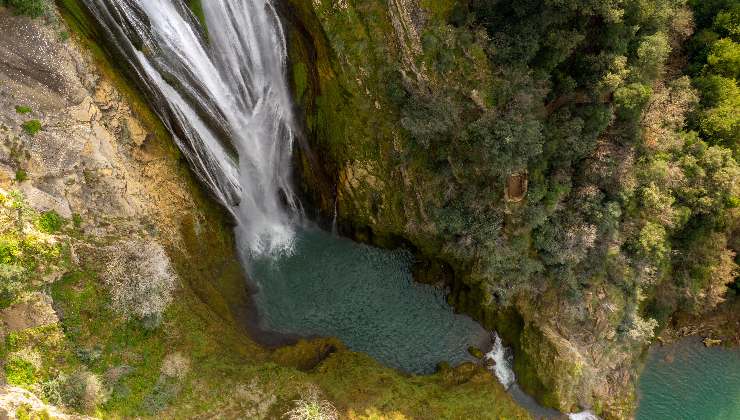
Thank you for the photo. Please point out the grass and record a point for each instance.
(31, 127)
(22, 109)
(21, 175)
(224, 360)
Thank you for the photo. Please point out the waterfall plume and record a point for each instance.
(223, 96)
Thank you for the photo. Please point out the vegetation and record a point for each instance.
(196, 7)
(312, 407)
(112, 363)
(617, 189)
(106, 359)
(715, 65)
(22, 109)
(49, 222)
(141, 279)
(21, 175)
(632, 178)
(31, 127)
(19, 371)
(32, 8)
(632, 192)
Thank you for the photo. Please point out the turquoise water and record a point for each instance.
(366, 297)
(688, 381)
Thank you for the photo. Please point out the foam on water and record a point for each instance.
(503, 359)
(583, 415)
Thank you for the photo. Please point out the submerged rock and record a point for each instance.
(476, 352)
(711, 342)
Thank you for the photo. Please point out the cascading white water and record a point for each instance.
(583, 415)
(225, 99)
(502, 358)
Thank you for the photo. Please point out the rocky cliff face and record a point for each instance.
(90, 174)
(94, 158)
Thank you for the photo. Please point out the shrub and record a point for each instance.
(175, 365)
(32, 127)
(19, 371)
(21, 175)
(53, 389)
(163, 393)
(311, 407)
(631, 98)
(10, 249)
(11, 283)
(50, 222)
(724, 58)
(83, 391)
(140, 278)
(22, 109)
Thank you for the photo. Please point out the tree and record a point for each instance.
(724, 58)
(140, 278)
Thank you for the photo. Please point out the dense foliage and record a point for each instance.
(715, 64)
(621, 190)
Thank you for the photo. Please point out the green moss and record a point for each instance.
(202, 322)
(22, 109)
(31, 127)
(19, 371)
(300, 79)
(26, 412)
(306, 354)
(468, 391)
(440, 9)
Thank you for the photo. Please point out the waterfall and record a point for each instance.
(224, 98)
(503, 359)
(583, 415)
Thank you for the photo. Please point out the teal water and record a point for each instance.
(687, 381)
(366, 297)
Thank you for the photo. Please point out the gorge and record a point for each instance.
(491, 166)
